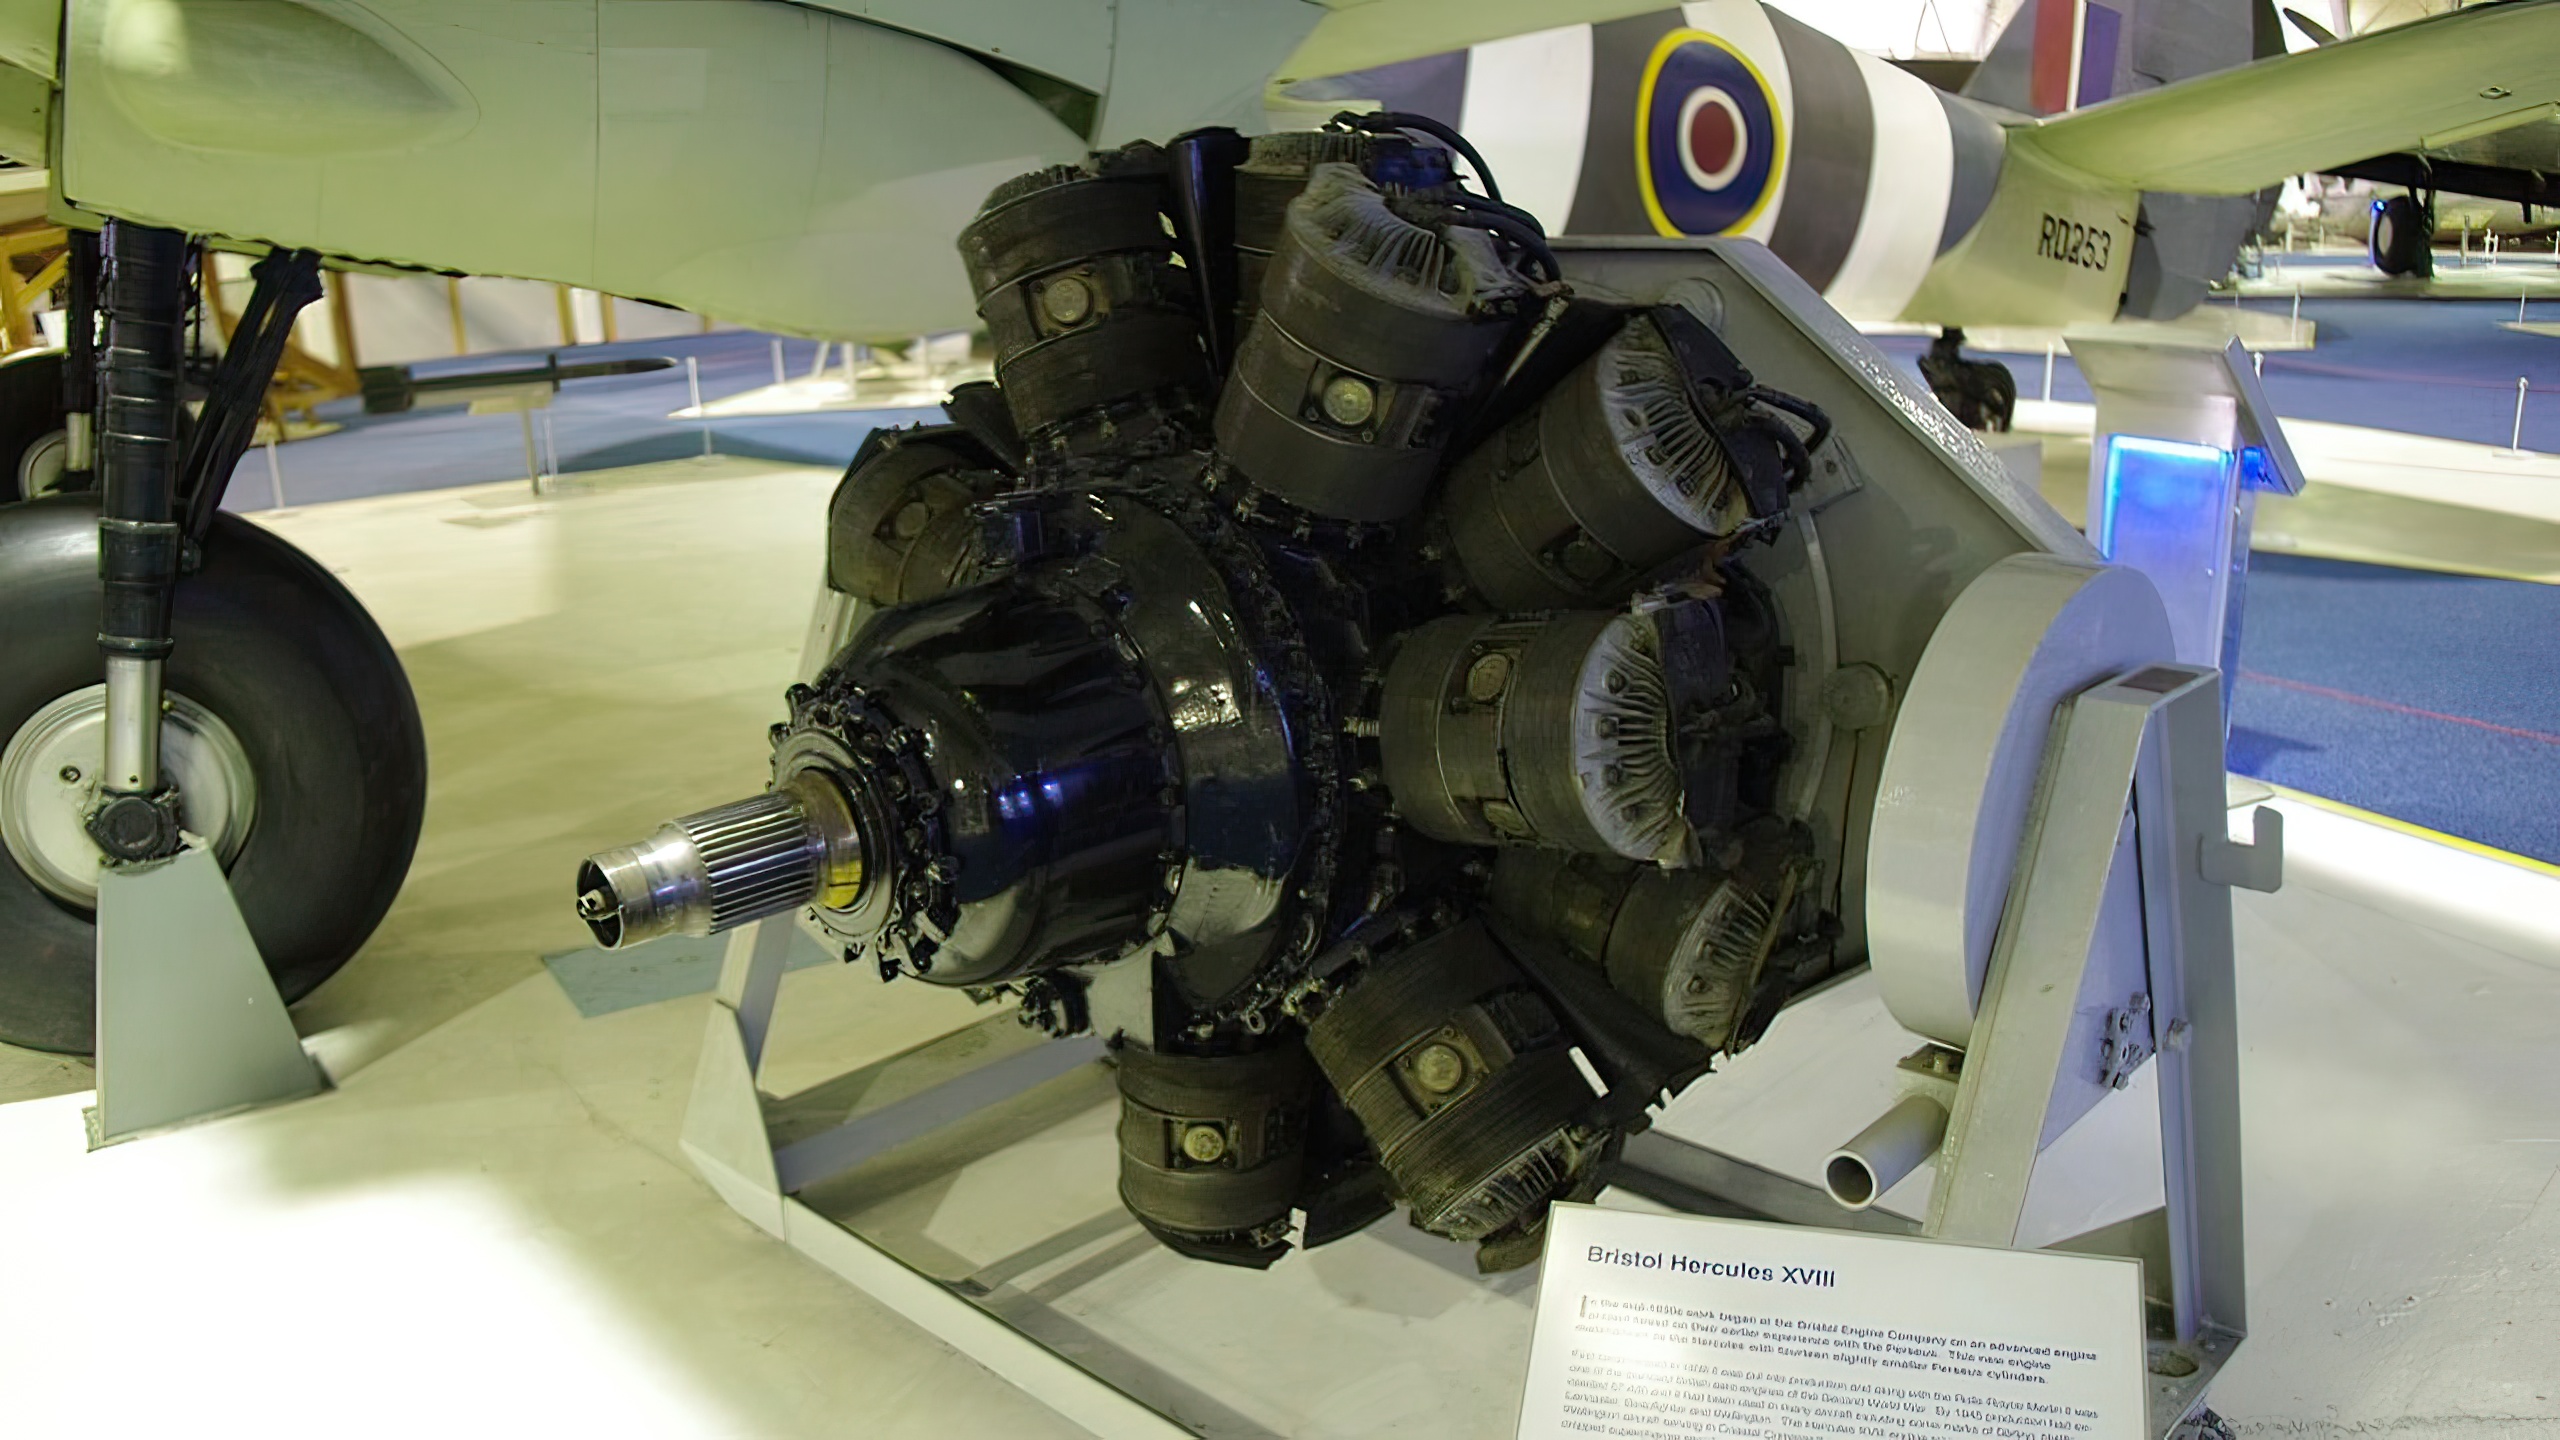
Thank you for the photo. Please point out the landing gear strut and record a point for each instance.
(1981, 394)
(248, 700)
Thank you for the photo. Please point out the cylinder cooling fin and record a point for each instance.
(1213, 1148)
(1464, 1078)
(1095, 326)
(1372, 340)
(1615, 472)
(1385, 690)
(1536, 731)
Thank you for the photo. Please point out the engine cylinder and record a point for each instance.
(1275, 169)
(1091, 319)
(899, 527)
(1615, 472)
(1212, 1148)
(1464, 1080)
(1688, 945)
(1374, 336)
(1537, 730)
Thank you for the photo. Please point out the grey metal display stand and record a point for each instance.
(2149, 393)
(189, 1022)
(2146, 745)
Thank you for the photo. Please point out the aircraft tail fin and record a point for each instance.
(2056, 56)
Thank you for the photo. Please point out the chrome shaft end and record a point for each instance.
(712, 871)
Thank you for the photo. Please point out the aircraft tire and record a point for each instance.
(305, 693)
(2402, 240)
(32, 436)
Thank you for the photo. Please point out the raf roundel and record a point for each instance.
(1708, 146)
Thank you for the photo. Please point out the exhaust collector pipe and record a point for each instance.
(1858, 1173)
(720, 868)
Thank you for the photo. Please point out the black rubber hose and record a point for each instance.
(1378, 120)
(144, 290)
(1803, 409)
(1513, 224)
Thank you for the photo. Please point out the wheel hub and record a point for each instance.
(40, 469)
(49, 776)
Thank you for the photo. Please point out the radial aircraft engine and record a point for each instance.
(1392, 691)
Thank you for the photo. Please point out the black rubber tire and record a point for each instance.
(272, 644)
(30, 412)
(2402, 240)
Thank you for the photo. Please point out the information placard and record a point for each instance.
(1666, 1327)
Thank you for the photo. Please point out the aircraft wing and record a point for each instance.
(2418, 86)
(1362, 34)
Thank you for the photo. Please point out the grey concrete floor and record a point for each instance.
(486, 1227)
(585, 666)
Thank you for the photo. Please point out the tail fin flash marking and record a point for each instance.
(2049, 83)
(2074, 54)
(2100, 30)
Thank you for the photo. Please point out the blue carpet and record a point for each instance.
(2432, 698)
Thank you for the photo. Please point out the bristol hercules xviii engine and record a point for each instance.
(1329, 632)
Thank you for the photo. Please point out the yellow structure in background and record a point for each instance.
(33, 253)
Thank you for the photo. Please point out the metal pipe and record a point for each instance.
(1858, 1173)
(133, 724)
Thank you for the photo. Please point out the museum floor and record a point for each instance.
(486, 1228)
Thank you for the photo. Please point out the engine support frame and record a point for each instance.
(2136, 776)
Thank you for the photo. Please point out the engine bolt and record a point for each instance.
(1439, 1068)
(1067, 300)
(1349, 400)
(1205, 1144)
(70, 774)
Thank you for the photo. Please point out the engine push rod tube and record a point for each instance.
(143, 295)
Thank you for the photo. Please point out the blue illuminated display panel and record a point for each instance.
(2166, 510)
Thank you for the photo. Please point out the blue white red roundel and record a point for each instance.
(1707, 143)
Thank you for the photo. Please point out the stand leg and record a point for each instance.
(189, 1024)
(2076, 839)
(724, 1129)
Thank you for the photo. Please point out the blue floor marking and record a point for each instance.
(600, 982)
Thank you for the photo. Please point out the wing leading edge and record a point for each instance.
(2428, 83)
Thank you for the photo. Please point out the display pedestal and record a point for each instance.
(189, 1022)
(970, 1184)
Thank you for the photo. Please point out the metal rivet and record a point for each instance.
(1349, 400)
(1439, 1068)
(1067, 300)
(1204, 1143)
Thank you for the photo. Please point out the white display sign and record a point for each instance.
(1667, 1327)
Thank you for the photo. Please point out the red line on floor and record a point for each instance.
(2353, 698)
